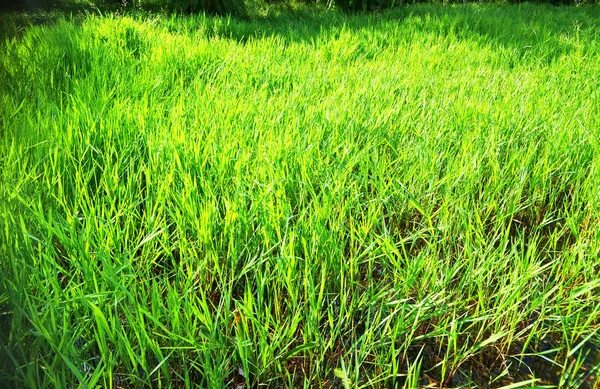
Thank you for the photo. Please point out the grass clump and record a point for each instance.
(394, 200)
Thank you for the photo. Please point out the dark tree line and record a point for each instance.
(17, 5)
(238, 7)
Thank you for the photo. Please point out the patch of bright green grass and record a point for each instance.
(307, 200)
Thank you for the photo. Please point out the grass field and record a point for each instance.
(301, 199)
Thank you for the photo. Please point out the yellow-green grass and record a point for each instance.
(302, 200)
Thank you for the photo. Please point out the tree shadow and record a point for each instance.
(521, 27)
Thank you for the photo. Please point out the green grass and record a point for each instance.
(307, 198)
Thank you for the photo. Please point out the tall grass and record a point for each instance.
(395, 200)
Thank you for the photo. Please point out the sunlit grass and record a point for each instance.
(393, 200)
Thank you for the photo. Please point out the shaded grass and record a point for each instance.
(315, 200)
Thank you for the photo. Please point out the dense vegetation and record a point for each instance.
(239, 8)
(302, 200)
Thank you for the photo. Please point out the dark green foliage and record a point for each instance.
(239, 7)
(9, 5)
(216, 7)
(366, 5)
(111, 2)
(374, 5)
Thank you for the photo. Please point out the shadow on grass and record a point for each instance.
(519, 26)
(6, 366)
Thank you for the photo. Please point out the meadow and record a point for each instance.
(301, 199)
